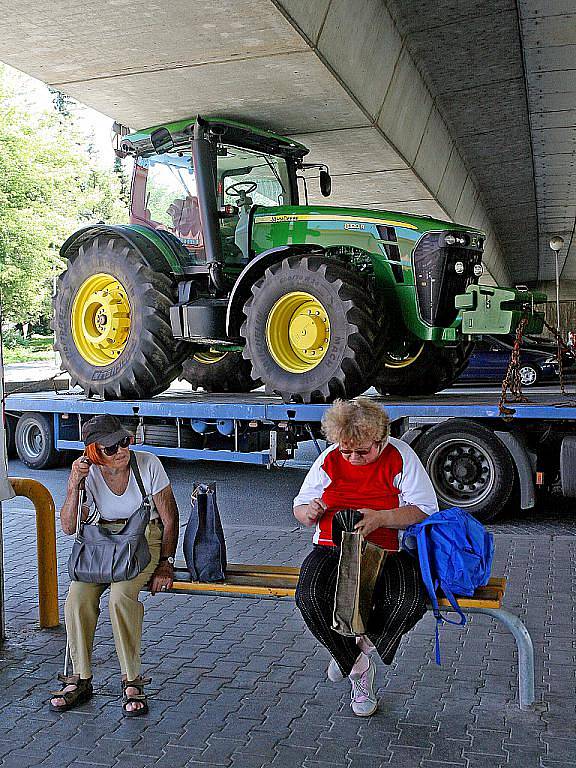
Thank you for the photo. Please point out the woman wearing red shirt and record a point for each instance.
(382, 477)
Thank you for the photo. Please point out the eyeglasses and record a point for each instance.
(111, 450)
(357, 451)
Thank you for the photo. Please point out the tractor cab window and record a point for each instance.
(164, 197)
(246, 179)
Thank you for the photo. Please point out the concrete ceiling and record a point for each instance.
(458, 109)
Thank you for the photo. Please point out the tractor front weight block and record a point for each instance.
(497, 311)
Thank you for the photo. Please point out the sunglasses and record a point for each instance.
(357, 451)
(111, 450)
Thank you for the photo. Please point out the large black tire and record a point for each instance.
(151, 358)
(469, 467)
(228, 372)
(10, 423)
(35, 441)
(346, 367)
(432, 369)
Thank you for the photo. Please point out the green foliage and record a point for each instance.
(49, 186)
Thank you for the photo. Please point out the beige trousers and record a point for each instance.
(82, 609)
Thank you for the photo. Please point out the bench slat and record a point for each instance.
(280, 581)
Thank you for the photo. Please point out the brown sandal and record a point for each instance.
(139, 684)
(80, 695)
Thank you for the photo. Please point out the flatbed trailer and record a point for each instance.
(476, 458)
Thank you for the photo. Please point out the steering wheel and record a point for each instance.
(241, 188)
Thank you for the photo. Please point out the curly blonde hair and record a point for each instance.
(356, 422)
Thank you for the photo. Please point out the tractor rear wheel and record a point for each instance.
(112, 324)
(310, 330)
(421, 368)
(215, 371)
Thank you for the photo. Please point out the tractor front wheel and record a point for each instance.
(310, 330)
(419, 368)
(112, 324)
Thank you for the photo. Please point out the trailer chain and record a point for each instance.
(512, 381)
(562, 347)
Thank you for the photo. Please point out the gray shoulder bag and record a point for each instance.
(100, 556)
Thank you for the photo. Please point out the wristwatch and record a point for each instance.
(167, 559)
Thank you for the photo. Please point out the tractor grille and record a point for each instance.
(437, 282)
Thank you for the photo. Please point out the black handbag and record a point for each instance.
(101, 556)
(204, 545)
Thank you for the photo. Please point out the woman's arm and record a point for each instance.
(399, 518)
(69, 511)
(167, 509)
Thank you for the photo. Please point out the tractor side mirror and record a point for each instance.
(162, 140)
(325, 183)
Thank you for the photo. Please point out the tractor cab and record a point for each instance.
(235, 168)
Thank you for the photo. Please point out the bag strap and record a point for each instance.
(81, 496)
(134, 467)
(431, 587)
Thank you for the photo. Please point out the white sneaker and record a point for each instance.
(364, 702)
(333, 672)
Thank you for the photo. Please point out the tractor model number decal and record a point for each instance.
(275, 219)
(354, 225)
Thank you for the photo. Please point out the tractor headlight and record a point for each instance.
(455, 238)
(459, 267)
(478, 269)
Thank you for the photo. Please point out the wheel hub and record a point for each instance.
(462, 472)
(101, 319)
(298, 332)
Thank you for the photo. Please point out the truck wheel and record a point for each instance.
(112, 324)
(219, 372)
(310, 330)
(469, 467)
(421, 368)
(35, 441)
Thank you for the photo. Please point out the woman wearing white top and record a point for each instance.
(112, 496)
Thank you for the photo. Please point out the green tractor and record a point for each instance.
(224, 279)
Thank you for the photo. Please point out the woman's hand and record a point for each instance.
(309, 514)
(162, 578)
(78, 472)
(371, 520)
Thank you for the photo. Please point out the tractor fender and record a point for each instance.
(161, 251)
(252, 272)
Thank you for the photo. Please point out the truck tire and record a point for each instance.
(35, 441)
(10, 423)
(425, 370)
(469, 467)
(219, 372)
(310, 330)
(112, 324)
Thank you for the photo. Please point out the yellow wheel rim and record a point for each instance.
(404, 362)
(209, 356)
(298, 332)
(101, 319)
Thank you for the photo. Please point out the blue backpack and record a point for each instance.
(455, 553)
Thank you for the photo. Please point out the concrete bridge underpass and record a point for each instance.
(462, 110)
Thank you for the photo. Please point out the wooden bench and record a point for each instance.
(279, 582)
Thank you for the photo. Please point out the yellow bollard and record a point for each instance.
(43, 502)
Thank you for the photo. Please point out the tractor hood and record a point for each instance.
(355, 218)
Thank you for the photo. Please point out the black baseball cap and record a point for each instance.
(104, 429)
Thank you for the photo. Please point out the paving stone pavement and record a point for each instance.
(241, 683)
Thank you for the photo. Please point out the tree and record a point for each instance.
(49, 186)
